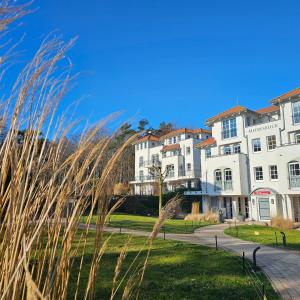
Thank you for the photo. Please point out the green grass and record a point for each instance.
(265, 235)
(176, 270)
(145, 223)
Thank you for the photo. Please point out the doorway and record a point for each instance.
(264, 208)
(228, 207)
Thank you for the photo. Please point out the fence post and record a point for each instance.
(263, 292)
(244, 261)
(120, 229)
(164, 232)
(283, 238)
(185, 226)
(216, 238)
(237, 230)
(254, 257)
(276, 241)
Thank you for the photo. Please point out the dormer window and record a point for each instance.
(229, 128)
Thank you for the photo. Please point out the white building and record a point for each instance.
(177, 155)
(251, 165)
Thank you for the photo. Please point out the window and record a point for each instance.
(145, 145)
(227, 150)
(256, 146)
(297, 138)
(188, 167)
(174, 140)
(137, 147)
(170, 140)
(141, 146)
(273, 172)
(141, 161)
(155, 159)
(179, 138)
(237, 148)
(271, 142)
(208, 152)
(164, 154)
(296, 112)
(294, 170)
(170, 171)
(218, 180)
(227, 179)
(188, 150)
(141, 173)
(229, 128)
(248, 121)
(258, 173)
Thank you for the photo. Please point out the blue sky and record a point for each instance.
(179, 61)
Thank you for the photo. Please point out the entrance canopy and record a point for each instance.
(263, 192)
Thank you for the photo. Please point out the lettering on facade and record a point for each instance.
(262, 128)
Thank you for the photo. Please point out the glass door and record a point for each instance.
(264, 208)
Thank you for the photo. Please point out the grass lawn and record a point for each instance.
(265, 235)
(175, 271)
(146, 223)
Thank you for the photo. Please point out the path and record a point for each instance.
(282, 266)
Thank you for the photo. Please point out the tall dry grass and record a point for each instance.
(43, 178)
(282, 223)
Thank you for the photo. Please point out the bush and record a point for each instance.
(148, 204)
(282, 223)
(209, 217)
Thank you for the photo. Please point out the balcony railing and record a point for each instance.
(295, 181)
(218, 185)
(170, 174)
(144, 178)
(150, 163)
(228, 185)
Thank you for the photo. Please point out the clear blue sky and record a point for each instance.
(170, 60)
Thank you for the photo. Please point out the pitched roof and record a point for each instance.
(209, 142)
(170, 147)
(232, 111)
(286, 96)
(268, 109)
(146, 138)
(184, 130)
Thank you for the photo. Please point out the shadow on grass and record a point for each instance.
(176, 271)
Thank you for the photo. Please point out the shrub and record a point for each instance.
(121, 189)
(208, 216)
(282, 223)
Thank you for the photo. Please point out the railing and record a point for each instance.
(218, 185)
(189, 173)
(223, 154)
(228, 185)
(144, 178)
(294, 181)
(170, 174)
(150, 163)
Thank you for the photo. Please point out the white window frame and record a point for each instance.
(294, 174)
(297, 138)
(189, 167)
(208, 152)
(271, 142)
(219, 177)
(296, 112)
(273, 171)
(235, 146)
(228, 147)
(254, 147)
(229, 128)
(261, 172)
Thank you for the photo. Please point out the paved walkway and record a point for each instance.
(282, 266)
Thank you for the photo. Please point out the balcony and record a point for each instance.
(150, 163)
(228, 185)
(294, 182)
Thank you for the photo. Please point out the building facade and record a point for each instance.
(251, 164)
(176, 155)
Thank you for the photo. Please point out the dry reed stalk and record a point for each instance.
(42, 179)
